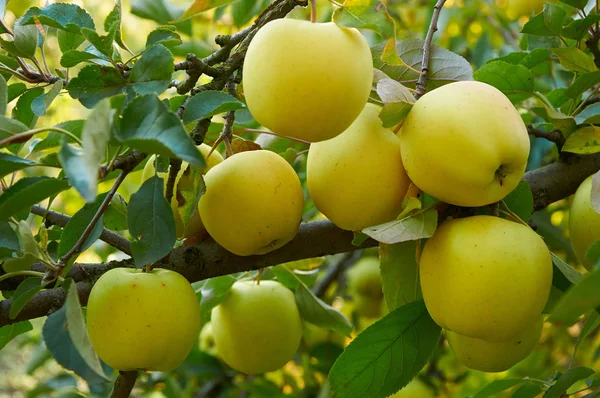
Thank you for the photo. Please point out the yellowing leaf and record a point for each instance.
(199, 6)
(242, 145)
(584, 141)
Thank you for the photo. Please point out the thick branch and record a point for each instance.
(555, 136)
(433, 27)
(124, 384)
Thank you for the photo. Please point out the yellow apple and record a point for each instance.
(495, 357)
(357, 179)
(257, 328)
(195, 227)
(584, 222)
(465, 144)
(140, 320)
(364, 278)
(414, 389)
(253, 203)
(518, 8)
(314, 336)
(485, 277)
(307, 80)
(206, 341)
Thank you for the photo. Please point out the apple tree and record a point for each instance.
(277, 198)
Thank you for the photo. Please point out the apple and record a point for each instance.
(307, 80)
(518, 8)
(584, 222)
(364, 278)
(195, 227)
(206, 341)
(143, 320)
(485, 277)
(465, 144)
(314, 336)
(258, 327)
(415, 389)
(482, 355)
(253, 203)
(357, 179)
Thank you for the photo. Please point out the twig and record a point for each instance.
(23, 137)
(175, 167)
(124, 384)
(226, 134)
(433, 27)
(127, 162)
(55, 218)
(334, 270)
(555, 136)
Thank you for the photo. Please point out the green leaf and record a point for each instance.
(520, 201)
(28, 191)
(574, 59)
(564, 276)
(397, 102)
(10, 127)
(578, 300)
(214, 291)
(584, 82)
(9, 332)
(399, 273)
(570, 377)
(74, 166)
(528, 390)
(54, 139)
(584, 141)
(189, 190)
(15, 90)
(77, 224)
(547, 23)
(72, 58)
(161, 11)
(515, 81)
(387, 355)
(416, 225)
(365, 14)
(149, 126)
(115, 217)
(40, 105)
(22, 111)
(209, 103)
(164, 35)
(68, 41)
(151, 223)
(68, 17)
(592, 254)
(25, 292)
(153, 72)
(577, 29)
(199, 6)
(444, 66)
(591, 324)
(94, 82)
(113, 22)
(9, 241)
(244, 10)
(104, 44)
(527, 59)
(10, 163)
(28, 248)
(497, 386)
(3, 95)
(559, 120)
(25, 40)
(580, 4)
(57, 336)
(589, 115)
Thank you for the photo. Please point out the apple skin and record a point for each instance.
(253, 203)
(584, 222)
(257, 328)
(481, 355)
(314, 336)
(518, 8)
(485, 277)
(195, 227)
(319, 78)
(364, 278)
(414, 389)
(357, 179)
(206, 341)
(139, 320)
(465, 144)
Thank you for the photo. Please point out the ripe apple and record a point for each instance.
(584, 222)
(257, 328)
(485, 277)
(307, 80)
(518, 8)
(465, 144)
(143, 320)
(206, 342)
(415, 389)
(495, 357)
(195, 227)
(253, 203)
(357, 179)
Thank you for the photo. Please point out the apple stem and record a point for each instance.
(148, 268)
(313, 11)
(260, 271)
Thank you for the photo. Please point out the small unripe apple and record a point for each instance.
(195, 227)
(465, 144)
(206, 341)
(307, 80)
(584, 222)
(364, 278)
(495, 357)
(357, 179)
(143, 320)
(257, 328)
(253, 203)
(485, 277)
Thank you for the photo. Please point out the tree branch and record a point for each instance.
(555, 136)
(421, 87)
(124, 384)
(334, 271)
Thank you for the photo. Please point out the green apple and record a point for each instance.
(495, 357)
(206, 341)
(143, 320)
(485, 277)
(584, 222)
(314, 336)
(253, 203)
(307, 80)
(465, 144)
(414, 389)
(195, 227)
(357, 179)
(518, 8)
(257, 328)
(364, 278)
